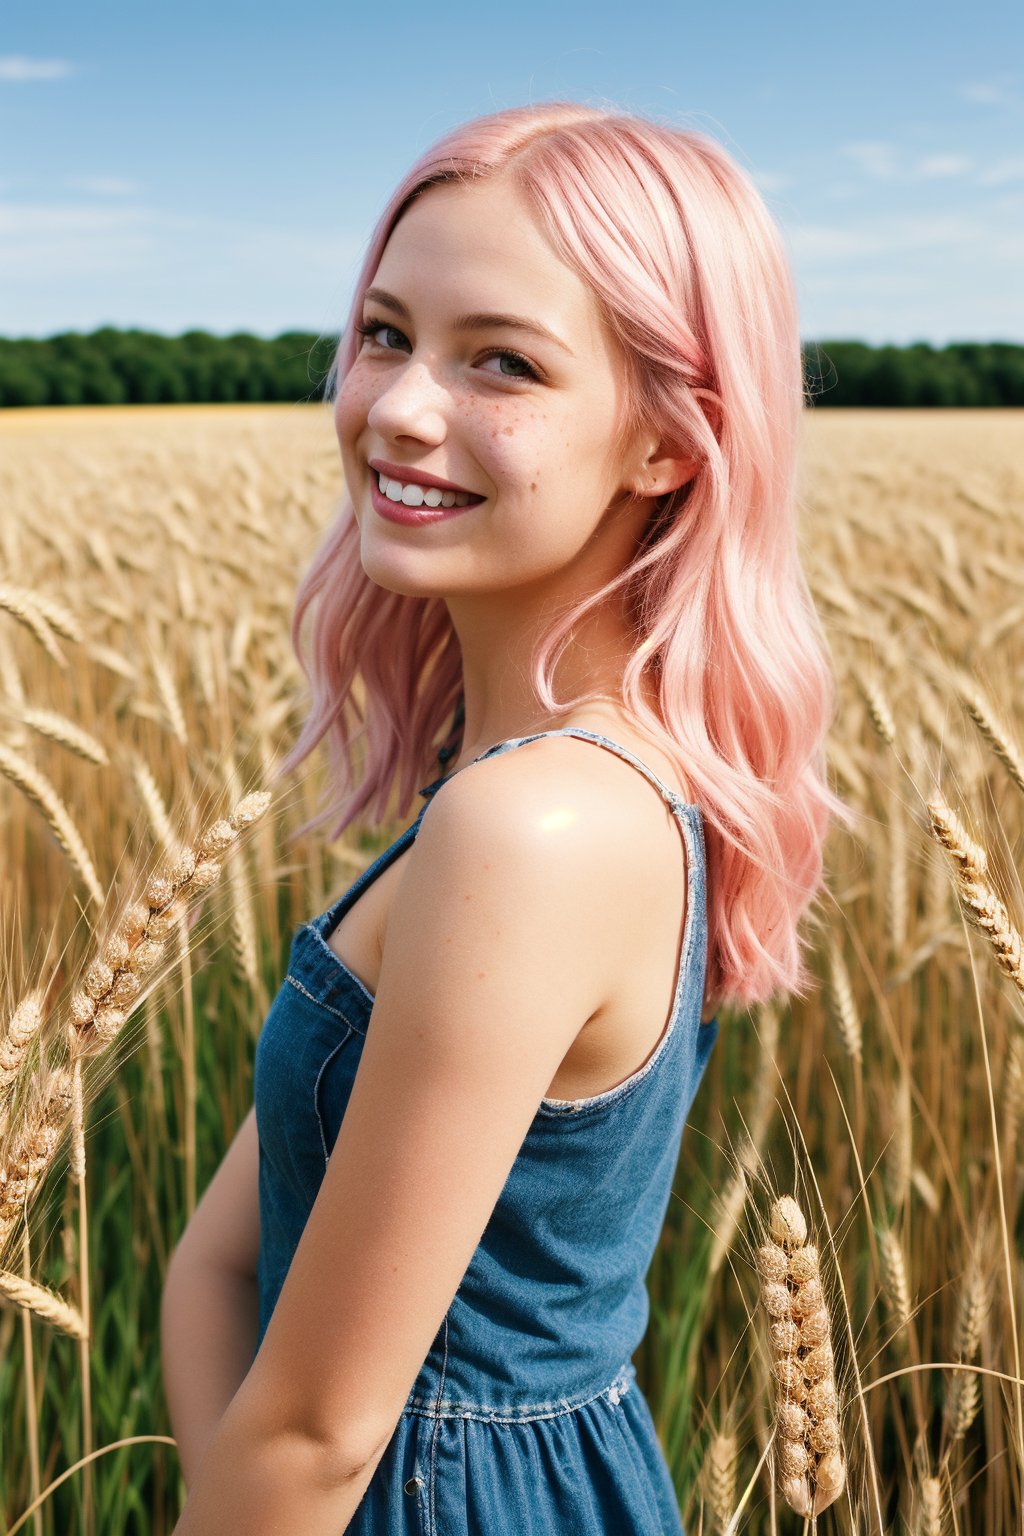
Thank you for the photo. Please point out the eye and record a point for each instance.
(520, 360)
(371, 327)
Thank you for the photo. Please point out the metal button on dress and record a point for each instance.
(413, 1483)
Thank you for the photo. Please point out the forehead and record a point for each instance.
(461, 247)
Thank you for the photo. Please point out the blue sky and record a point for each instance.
(221, 164)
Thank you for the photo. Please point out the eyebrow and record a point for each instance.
(478, 321)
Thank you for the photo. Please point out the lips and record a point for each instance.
(413, 517)
(409, 476)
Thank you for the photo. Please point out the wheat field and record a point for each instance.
(148, 562)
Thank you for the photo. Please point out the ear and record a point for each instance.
(661, 470)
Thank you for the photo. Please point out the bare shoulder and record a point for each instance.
(561, 839)
(555, 799)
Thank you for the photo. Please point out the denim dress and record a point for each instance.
(526, 1418)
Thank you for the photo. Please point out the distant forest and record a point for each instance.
(136, 367)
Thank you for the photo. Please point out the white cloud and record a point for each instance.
(880, 161)
(105, 186)
(842, 191)
(873, 156)
(1010, 169)
(987, 93)
(772, 181)
(15, 66)
(944, 165)
(78, 264)
(901, 278)
(893, 236)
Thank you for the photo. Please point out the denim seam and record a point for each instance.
(565, 1110)
(319, 1002)
(316, 1094)
(365, 992)
(531, 1412)
(432, 1519)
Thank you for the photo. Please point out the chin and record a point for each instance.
(383, 574)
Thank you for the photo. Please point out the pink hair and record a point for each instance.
(690, 275)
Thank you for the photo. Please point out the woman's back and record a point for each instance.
(525, 1412)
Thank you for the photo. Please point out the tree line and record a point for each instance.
(137, 367)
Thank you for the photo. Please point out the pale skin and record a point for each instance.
(524, 945)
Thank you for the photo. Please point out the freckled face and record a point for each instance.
(514, 417)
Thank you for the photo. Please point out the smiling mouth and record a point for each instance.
(409, 494)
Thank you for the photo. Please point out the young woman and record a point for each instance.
(568, 402)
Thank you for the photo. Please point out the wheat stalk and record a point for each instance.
(994, 729)
(106, 656)
(878, 708)
(58, 728)
(930, 1507)
(97, 1011)
(811, 1466)
(33, 1145)
(156, 810)
(899, 1152)
(169, 697)
(10, 677)
(20, 605)
(718, 1476)
(56, 615)
(897, 899)
(37, 787)
(1013, 1087)
(963, 1388)
(113, 980)
(25, 1024)
(844, 1006)
(978, 900)
(894, 1277)
(44, 1303)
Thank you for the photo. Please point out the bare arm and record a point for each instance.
(209, 1323)
(209, 1316)
(507, 943)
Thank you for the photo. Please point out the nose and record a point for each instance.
(411, 405)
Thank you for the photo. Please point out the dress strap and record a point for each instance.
(674, 800)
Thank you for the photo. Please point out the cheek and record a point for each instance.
(353, 401)
(521, 446)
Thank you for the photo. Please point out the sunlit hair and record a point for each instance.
(689, 272)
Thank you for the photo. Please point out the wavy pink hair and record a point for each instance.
(689, 272)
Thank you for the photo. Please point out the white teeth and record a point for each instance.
(421, 495)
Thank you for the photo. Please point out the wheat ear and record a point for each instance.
(43, 1302)
(36, 786)
(978, 900)
(113, 980)
(26, 1022)
(810, 1464)
(98, 1010)
(19, 604)
(60, 729)
(994, 729)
